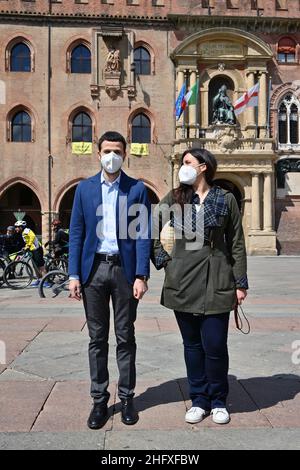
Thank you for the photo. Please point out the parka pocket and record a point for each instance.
(173, 273)
(222, 273)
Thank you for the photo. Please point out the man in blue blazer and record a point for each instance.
(109, 253)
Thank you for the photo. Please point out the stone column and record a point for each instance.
(250, 111)
(179, 83)
(262, 103)
(193, 108)
(131, 58)
(176, 167)
(268, 209)
(255, 209)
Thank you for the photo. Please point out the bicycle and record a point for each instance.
(53, 263)
(2, 267)
(5, 259)
(18, 274)
(54, 283)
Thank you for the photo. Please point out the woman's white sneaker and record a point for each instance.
(220, 415)
(195, 415)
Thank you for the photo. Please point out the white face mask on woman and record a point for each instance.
(188, 174)
(111, 162)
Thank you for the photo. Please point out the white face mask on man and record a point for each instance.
(188, 174)
(111, 162)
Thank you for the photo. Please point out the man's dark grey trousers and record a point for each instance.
(107, 281)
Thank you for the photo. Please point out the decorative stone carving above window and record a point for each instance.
(112, 73)
(114, 53)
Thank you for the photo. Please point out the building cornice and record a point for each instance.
(82, 18)
(248, 23)
(171, 21)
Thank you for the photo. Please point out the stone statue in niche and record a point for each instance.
(112, 73)
(113, 61)
(223, 111)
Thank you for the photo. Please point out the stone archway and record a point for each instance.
(230, 186)
(20, 198)
(65, 206)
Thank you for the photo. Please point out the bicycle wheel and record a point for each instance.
(53, 284)
(2, 268)
(18, 275)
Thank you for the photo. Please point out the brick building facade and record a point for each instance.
(59, 85)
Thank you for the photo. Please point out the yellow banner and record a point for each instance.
(82, 148)
(139, 149)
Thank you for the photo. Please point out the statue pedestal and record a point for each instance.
(226, 135)
(262, 242)
(214, 130)
(251, 131)
(112, 83)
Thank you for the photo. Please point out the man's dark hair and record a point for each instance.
(112, 136)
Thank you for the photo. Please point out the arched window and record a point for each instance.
(81, 59)
(294, 127)
(82, 129)
(141, 129)
(282, 124)
(20, 58)
(288, 120)
(286, 51)
(142, 61)
(21, 127)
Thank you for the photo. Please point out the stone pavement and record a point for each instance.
(44, 385)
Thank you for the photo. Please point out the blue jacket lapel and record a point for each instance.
(96, 191)
(121, 209)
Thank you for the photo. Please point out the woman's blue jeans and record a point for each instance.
(206, 357)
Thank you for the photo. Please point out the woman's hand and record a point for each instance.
(241, 294)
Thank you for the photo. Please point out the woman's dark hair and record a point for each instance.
(183, 194)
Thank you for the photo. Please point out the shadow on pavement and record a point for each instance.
(245, 395)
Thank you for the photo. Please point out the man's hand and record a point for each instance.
(241, 294)
(75, 289)
(139, 288)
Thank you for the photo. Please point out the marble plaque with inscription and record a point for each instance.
(220, 49)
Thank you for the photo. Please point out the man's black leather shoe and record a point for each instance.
(98, 416)
(128, 412)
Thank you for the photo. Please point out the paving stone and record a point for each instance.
(65, 324)
(68, 408)
(88, 440)
(204, 439)
(160, 406)
(20, 404)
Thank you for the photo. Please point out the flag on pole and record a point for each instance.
(247, 100)
(178, 105)
(184, 99)
(191, 96)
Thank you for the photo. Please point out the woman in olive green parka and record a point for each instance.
(205, 276)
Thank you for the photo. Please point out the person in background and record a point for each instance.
(33, 245)
(61, 239)
(11, 242)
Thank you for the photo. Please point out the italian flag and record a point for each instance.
(191, 96)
